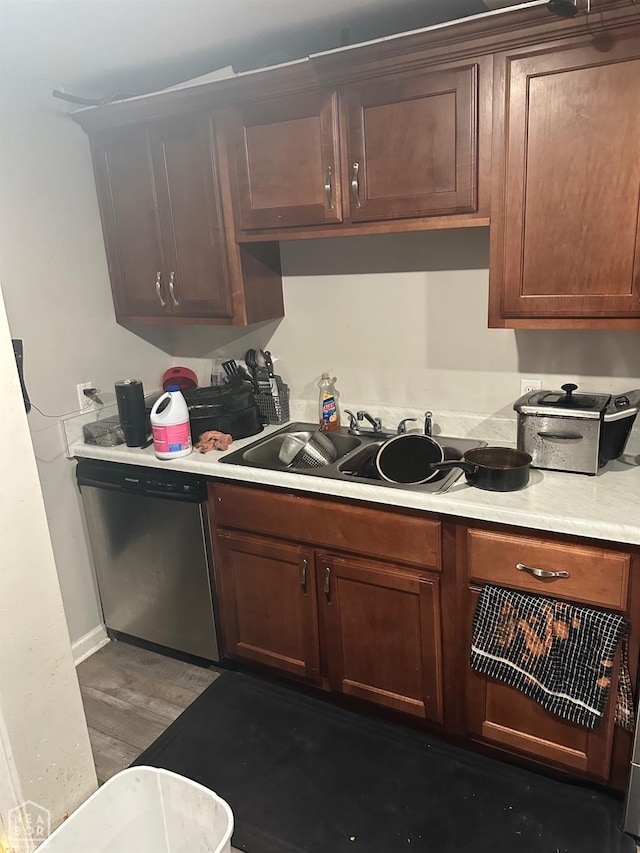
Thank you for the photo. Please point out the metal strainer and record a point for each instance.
(307, 450)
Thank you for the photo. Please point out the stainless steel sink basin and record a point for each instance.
(265, 453)
(355, 457)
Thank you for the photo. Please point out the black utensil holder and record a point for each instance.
(275, 410)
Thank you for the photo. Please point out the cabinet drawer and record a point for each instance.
(595, 576)
(355, 528)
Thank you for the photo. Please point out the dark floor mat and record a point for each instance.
(302, 776)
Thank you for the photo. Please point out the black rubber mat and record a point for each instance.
(301, 775)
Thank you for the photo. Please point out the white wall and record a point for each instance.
(401, 319)
(45, 755)
(56, 286)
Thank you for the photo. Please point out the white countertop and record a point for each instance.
(604, 507)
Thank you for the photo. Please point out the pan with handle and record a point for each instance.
(496, 469)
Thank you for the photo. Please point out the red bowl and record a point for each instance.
(183, 377)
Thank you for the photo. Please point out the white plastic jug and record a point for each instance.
(170, 425)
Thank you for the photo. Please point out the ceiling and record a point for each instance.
(102, 46)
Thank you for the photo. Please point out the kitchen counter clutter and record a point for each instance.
(605, 506)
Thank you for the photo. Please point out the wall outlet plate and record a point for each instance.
(529, 385)
(85, 404)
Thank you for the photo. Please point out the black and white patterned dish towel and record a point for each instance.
(561, 655)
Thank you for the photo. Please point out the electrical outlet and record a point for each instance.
(84, 403)
(529, 385)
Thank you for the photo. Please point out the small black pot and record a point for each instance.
(496, 469)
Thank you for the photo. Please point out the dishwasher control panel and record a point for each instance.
(178, 485)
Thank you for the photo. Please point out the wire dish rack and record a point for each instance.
(274, 408)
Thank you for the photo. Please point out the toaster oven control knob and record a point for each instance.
(569, 388)
(621, 402)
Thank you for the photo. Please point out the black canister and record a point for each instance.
(132, 411)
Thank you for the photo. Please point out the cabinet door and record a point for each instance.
(286, 155)
(268, 603)
(567, 217)
(129, 211)
(413, 145)
(184, 165)
(382, 634)
(503, 716)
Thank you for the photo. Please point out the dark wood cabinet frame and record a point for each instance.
(323, 102)
(385, 611)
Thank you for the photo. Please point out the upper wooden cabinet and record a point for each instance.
(565, 209)
(286, 157)
(521, 121)
(169, 256)
(402, 147)
(127, 197)
(412, 145)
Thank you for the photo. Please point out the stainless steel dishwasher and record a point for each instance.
(149, 534)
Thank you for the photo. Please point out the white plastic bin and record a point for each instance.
(145, 810)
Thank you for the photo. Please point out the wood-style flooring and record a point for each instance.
(130, 697)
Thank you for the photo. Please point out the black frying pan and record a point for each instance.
(409, 459)
(497, 469)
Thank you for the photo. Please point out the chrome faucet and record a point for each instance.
(353, 422)
(428, 423)
(376, 423)
(402, 426)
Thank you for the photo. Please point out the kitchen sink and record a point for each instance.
(355, 457)
(265, 453)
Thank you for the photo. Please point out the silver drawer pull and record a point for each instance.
(159, 289)
(327, 583)
(172, 281)
(355, 184)
(540, 573)
(561, 436)
(303, 576)
(328, 187)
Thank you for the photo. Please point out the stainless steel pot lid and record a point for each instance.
(564, 401)
(568, 404)
(567, 399)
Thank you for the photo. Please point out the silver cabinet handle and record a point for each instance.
(327, 583)
(328, 187)
(561, 436)
(159, 289)
(540, 573)
(355, 186)
(303, 576)
(172, 281)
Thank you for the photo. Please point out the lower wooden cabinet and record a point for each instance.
(382, 635)
(378, 604)
(365, 627)
(269, 594)
(502, 716)
(267, 598)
